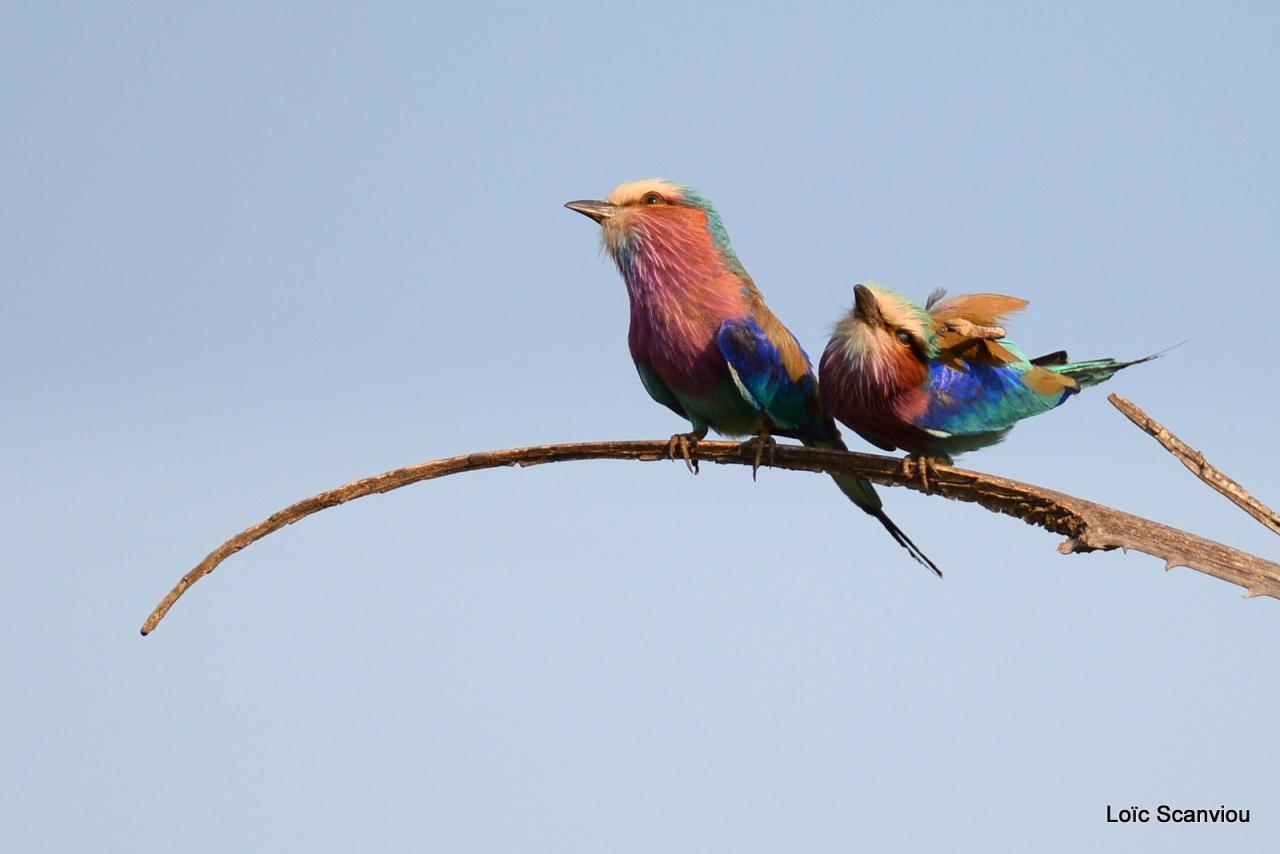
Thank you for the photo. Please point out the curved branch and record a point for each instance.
(1088, 526)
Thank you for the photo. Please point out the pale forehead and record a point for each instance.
(634, 191)
(898, 310)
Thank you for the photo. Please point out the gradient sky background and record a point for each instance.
(249, 254)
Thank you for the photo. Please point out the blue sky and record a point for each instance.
(250, 253)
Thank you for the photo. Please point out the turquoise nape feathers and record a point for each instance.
(940, 380)
(703, 341)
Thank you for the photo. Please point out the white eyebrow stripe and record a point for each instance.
(634, 191)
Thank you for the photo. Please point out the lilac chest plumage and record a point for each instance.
(883, 404)
(680, 292)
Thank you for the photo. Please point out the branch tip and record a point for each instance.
(1197, 464)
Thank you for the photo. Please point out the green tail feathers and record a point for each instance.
(1097, 371)
(863, 494)
(859, 491)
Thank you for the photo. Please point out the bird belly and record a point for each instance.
(724, 408)
(953, 446)
(678, 340)
(700, 380)
(885, 427)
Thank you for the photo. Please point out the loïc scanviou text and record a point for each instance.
(1165, 814)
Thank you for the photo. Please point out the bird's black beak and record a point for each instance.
(865, 307)
(599, 211)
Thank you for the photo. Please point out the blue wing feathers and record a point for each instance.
(758, 368)
(755, 360)
(982, 399)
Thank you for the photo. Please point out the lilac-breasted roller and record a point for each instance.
(704, 342)
(941, 379)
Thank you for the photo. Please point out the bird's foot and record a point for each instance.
(921, 465)
(682, 442)
(763, 443)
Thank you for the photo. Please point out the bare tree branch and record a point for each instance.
(1199, 466)
(1087, 526)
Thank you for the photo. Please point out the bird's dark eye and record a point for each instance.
(653, 199)
(904, 336)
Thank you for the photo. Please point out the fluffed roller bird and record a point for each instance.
(941, 379)
(703, 341)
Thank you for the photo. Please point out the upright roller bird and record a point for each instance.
(704, 343)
